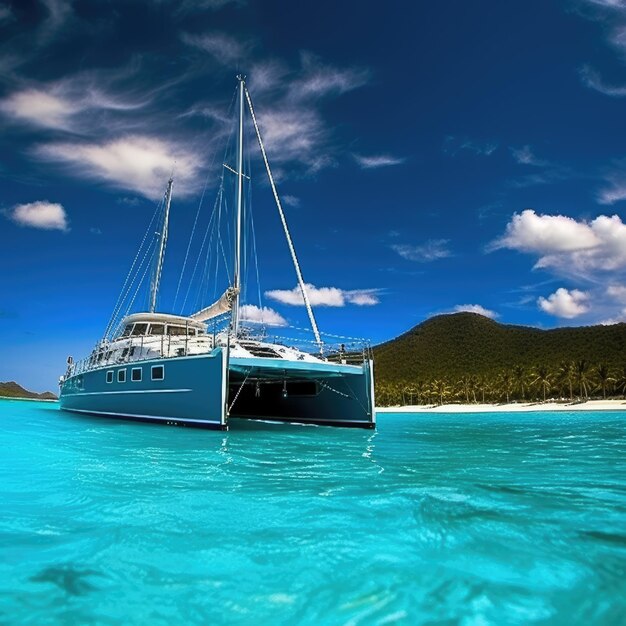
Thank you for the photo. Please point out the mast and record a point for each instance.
(283, 220)
(154, 288)
(237, 269)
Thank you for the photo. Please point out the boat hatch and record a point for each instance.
(261, 351)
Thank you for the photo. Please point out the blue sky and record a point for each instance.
(432, 157)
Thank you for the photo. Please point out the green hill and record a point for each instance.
(449, 347)
(13, 390)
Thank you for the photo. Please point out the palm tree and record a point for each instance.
(603, 374)
(565, 376)
(465, 383)
(484, 386)
(505, 382)
(543, 379)
(519, 375)
(440, 389)
(582, 377)
(620, 383)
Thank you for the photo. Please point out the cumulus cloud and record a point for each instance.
(565, 244)
(475, 308)
(431, 250)
(43, 214)
(529, 232)
(617, 292)
(325, 296)
(564, 303)
(261, 315)
(372, 162)
(136, 163)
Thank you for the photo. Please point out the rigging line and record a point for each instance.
(239, 390)
(115, 318)
(195, 269)
(122, 294)
(294, 258)
(195, 222)
(140, 283)
(201, 291)
(254, 248)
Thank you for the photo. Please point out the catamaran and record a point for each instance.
(211, 366)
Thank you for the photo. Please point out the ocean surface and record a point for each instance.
(444, 519)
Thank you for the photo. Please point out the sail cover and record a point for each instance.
(219, 307)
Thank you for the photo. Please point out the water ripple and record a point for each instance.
(440, 519)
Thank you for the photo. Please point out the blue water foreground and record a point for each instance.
(470, 519)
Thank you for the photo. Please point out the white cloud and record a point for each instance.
(225, 49)
(616, 189)
(593, 80)
(291, 200)
(431, 250)
(565, 244)
(546, 234)
(452, 145)
(382, 160)
(43, 214)
(620, 318)
(325, 296)
(70, 104)
(525, 156)
(564, 303)
(617, 292)
(38, 108)
(289, 116)
(318, 80)
(475, 308)
(261, 315)
(136, 163)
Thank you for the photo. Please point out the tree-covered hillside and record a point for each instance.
(12, 390)
(451, 349)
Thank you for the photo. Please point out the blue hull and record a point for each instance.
(193, 391)
(206, 391)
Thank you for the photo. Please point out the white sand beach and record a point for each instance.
(516, 407)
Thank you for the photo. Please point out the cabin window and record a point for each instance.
(110, 376)
(135, 374)
(79, 382)
(157, 329)
(139, 329)
(121, 376)
(176, 330)
(127, 330)
(158, 372)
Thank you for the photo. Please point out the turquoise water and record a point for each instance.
(436, 519)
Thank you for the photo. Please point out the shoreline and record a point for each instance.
(513, 407)
(28, 399)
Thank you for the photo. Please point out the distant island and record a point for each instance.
(469, 358)
(13, 390)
